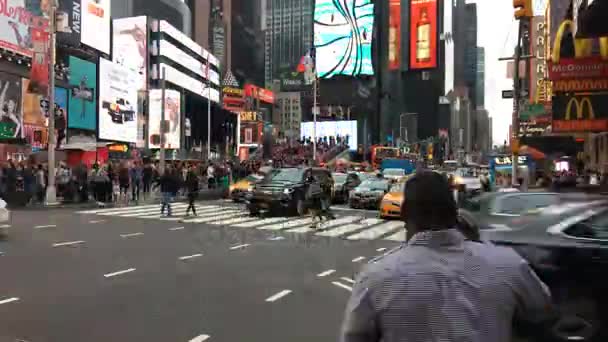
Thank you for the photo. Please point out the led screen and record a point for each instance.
(343, 37)
(332, 129)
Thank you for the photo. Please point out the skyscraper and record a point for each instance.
(288, 35)
(480, 82)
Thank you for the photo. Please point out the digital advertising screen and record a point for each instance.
(343, 37)
(332, 129)
(130, 46)
(172, 115)
(394, 35)
(423, 34)
(117, 102)
(95, 31)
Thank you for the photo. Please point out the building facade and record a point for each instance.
(176, 12)
(480, 81)
(288, 113)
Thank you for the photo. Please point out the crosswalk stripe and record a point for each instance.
(100, 210)
(399, 236)
(242, 219)
(287, 225)
(182, 211)
(377, 231)
(326, 226)
(262, 222)
(215, 217)
(135, 213)
(174, 209)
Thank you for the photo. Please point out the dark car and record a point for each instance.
(567, 245)
(285, 189)
(369, 193)
(343, 185)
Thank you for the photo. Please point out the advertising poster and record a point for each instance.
(11, 118)
(95, 29)
(172, 116)
(343, 33)
(448, 46)
(326, 129)
(39, 74)
(32, 106)
(394, 35)
(35, 115)
(423, 34)
(117, 102)
(17, 17)
(130, 46)
(82, 105)
(69, 21)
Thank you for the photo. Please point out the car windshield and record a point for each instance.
(394, 172)
(398, 188)
(339, 178)
(373, 184)
(286, 175)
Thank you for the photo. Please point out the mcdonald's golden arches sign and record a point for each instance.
(580, 113)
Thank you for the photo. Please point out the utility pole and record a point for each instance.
(208, 114)
(51, 192)
(162, 123)
(314, 120)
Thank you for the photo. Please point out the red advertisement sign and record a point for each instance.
(39, 77)
(394, 35)
(579, 68)
(262, 94)
(423, 34)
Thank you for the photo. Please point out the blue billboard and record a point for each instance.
(82, 93)
(343, 37)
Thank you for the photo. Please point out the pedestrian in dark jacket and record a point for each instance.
(192, 187)
(167, 186)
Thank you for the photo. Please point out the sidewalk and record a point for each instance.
(203, 195)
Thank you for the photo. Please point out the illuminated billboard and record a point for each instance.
(423, 34)
(343, 37)
(394, 35)
(326, 129)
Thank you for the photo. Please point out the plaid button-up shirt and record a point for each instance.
(440, 288)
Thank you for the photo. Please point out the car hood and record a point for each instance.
(394, 197)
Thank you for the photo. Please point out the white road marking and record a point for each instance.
(239, 247)
(5, 226)
(399, 236)
(131, 235)
(176, 228)
(381, 249)
(278, 296)
(136, 213)
(102, 210)
(215, 218)
(96, 221)
(348, 280)
(69, 243)
(109, 275)
(326, 273)
(188, 257)
(288, 224)
(260, 222)
(276, 238)
(8, 300)
(200, 338)
(341, 230)
(346, 287)
(236, 220)
(326, 226)
(377, 231)
(372, 221)
(358, 259)
(45, 226)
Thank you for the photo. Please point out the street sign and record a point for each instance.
(507, 94)
(531, 111)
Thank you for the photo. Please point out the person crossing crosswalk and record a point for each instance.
(350, 226)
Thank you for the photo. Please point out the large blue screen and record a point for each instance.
(343, 37)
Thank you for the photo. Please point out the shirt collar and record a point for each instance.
(437, 238)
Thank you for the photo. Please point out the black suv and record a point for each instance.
(285, 189)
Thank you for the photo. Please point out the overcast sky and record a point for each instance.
(495, 24)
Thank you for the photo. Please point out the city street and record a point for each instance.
(127, 274)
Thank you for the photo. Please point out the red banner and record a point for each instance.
(39, 77)
(394, 35)
(423, 34)
(262, 94)
(579, 68)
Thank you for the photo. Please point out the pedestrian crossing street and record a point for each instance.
(350, 226)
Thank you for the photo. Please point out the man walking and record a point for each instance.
(439, 286)
(192, 188)
(166, 188)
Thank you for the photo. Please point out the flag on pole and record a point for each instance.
(307, 66)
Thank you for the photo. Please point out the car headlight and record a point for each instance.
(288, 191)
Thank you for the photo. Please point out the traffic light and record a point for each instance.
(523, 9)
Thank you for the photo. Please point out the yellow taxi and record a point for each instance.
(240, 189)
(390, 206)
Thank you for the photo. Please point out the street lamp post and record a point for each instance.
(51, 191)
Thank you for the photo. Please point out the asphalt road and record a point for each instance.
(72, 276)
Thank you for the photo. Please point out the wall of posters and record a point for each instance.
(343, 37)
(82, 94)
(118, 105)
(423, 34)
(95, 30)
(11, 118)
(172, 116)
(17, 17)
(130, 46)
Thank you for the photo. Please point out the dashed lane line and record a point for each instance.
(114, 274)
(68, 243)
(125, 236)
(233, 248)
(348, 280)
(346, 287)
(45, 226)
(9, 300)
(358, 259)
(326, 273)
(176, 228)
(200, 338)
(278, 296)
(188, 257)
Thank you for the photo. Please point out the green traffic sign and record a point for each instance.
(531, 111)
